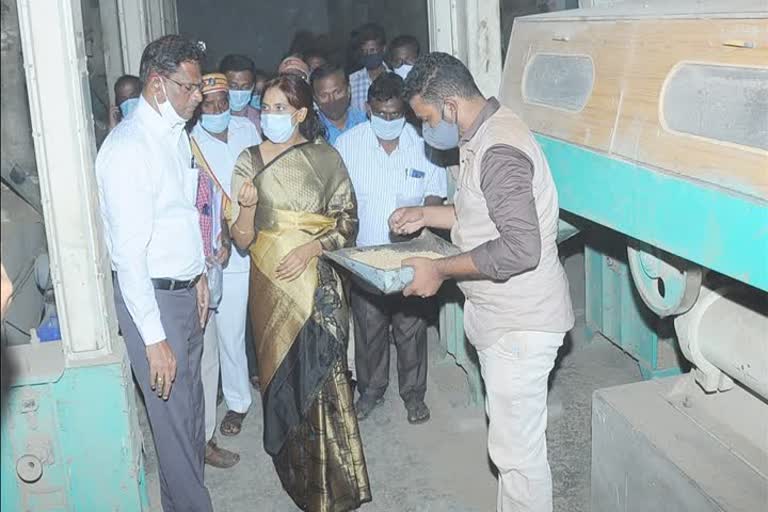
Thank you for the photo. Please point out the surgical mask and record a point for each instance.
(403, 70)
(168, 113)
(278, 128)
(238, 100)
(387, 130)
(215, 123)
(256, 101)
(372, 60)
(127, 107)
(335, 110)
(443, 136)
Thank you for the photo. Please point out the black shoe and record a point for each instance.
(365, 406)
(418, 412)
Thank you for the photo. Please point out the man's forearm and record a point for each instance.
(439, 217)
(458, 267)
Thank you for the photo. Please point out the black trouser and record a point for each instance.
(373, 316)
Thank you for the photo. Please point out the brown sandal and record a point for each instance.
(232, 423)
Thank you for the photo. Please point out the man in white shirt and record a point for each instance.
(147, 191)
(221, 138)
(386, 162)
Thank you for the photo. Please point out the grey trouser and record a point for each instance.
(178, 424)
(373, 316)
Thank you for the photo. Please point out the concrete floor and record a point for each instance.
(442, 465)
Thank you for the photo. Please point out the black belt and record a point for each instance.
(172, 284)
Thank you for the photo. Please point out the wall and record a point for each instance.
(262, 30)
(398, 17)
(16, 145)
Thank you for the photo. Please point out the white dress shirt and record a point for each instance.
(221, 157)
(147, 191)
(385, 182)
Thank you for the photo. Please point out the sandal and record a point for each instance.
(232, 423)
(418, 413)
(219, 457)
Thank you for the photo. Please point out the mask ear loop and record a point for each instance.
(154, 96)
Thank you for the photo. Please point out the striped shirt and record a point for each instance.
(360, 82)
(385, 182)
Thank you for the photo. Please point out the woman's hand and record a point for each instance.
(295, 262)
(248, 196)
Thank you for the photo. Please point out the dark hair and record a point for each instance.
(325, 71)
(299, 96)
(237, 63)
(371, 32)
(405, 41)
(260, 74)
(127, 80)
(164, 55)
(437, 76)
(387, 86)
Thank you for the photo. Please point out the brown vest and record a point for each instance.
(538, 300)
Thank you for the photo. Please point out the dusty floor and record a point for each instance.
(441, 466)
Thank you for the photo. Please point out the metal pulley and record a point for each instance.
(668, 285)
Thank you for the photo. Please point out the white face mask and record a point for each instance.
(403, 70)
(168, 113)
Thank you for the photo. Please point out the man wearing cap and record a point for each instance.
(220, 138)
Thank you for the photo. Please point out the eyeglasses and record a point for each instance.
(189, 88)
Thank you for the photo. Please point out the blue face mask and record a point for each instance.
(238, 100)
(387, 130)
(128, 106)
(278, 128)
(256, 101)
(215, 123)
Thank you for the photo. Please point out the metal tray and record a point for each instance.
(395, 280)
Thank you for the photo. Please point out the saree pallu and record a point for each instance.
(301, 330)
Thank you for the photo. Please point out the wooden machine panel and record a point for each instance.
(685, 93)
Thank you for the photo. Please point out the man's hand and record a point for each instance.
(427, 279)
(296, 261)
(222, 255)
(162, 368)
(115, 116)
(406, 221)
(203, 299)
(248, 196)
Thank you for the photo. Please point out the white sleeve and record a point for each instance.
(128, 205)
(437, 184)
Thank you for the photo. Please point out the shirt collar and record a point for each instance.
(404, 142)
(152, 119)
(354, 116)
(490, 108)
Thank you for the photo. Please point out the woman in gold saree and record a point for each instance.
(292, 199)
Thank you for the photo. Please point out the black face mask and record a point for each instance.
(372, 60)
(335, 110)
